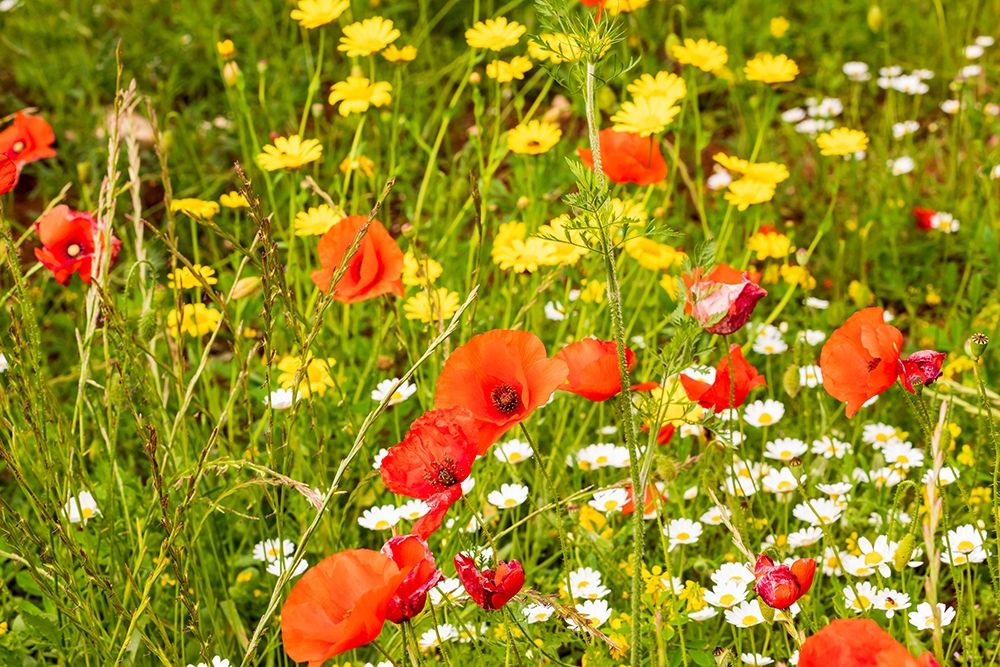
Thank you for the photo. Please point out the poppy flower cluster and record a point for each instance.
(780, 586)
(722, 300)
(862, 358)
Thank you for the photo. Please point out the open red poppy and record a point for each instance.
(499, 376)
(593, 368)
(411, 552)
(491, 588)
(375, 269)
(729, 389)
(780, 586)
(432, 461)
(628, 158)
(339, 604)
(8, 174)
(68, 246)
(30, 138)
(858, 642)
(861, 358)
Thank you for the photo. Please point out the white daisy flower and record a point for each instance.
(755, 659)
(280, 399)
(609, 500)
(831, 562)
(815, 303)
(595, 612)
(878, 554)
(714, 516)
(780, 481)
(764, 413)
(860, 597)
(735, 572)
(727, 594)
(436, 636)
(379, 456)
(586, 583)
(449, 589)
(554, 311)
(719, 179)
(812, 337)
(279, 565)
(879, 434)
(810, 376)
(901, 166)
(513, 451)
(602, 455)
(922, 618)
(682, 531)
(274, 549)
(890, 601)
(217, 661)
(785, 449)
(380, 517)
(745, 614)
(537, 612)
(856, 71)
(412, 510)
(81, 508)
(508, 496)
(904, 128)
(806, 537)
(818, 512)
(703, 614)
(829, 447)
(903, 455)
(402, 392)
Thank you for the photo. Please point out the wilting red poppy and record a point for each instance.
(860, 359)
(432, 461)
(410, 551)
(375, 269)
(921, 367)
(729, 389)
(780, 586)
(68, 247)
(499, 376)
(858, 642)
(30, 138)
(338, 605)
(8, 174)
(628, 158)
(722, 301)
(593, 368)
(491, 588)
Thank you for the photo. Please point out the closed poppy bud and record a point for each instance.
(920, 368)
(722, 301)
(593, 368)
(492, 588)
(628, 158)
(410, 551)
(376, 268)
(781, 586)
(8, 174)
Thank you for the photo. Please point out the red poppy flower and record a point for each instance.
(921, 367)
(924, 218)
(410, 551)
(722, 301)
(628, 158)
(375, 269)
(30, 138)
(8, 174)
(858, 642)
(432, 461)
(499, 376)
(338, 605)
(860, 359)
(650, 504)
(781, 586)
(492, 588)
(593, 368)
(68, 247)
(738, 383)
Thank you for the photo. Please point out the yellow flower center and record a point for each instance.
(509, 502)
(765, 419)
(382, 524)
(727, 599)
(73, 250)
(873, 558)
(749, 620)
(966, 545)
(87, 512)
(683, 536)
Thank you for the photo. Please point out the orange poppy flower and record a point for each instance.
(858, 642)
(338, 605)
(628, 158)
(499, 376)
(30, 138)
(593, 368)
(375, 269)
(738, 383)
(861, 358)
(432, 461)
(8, 174)
(68, 247)
(411, 596)
(722, 301)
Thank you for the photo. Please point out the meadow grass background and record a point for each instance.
(189, 468)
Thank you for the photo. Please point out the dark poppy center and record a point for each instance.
(443, 473)
(873, 364)
(73, 249)
(506, 399)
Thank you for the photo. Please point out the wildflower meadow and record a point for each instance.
(394, 333)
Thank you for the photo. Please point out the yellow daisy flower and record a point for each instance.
(653, 255)
(704, 54)
(769, 244)
(420, 272)
(185, 278)
(395, 54)
(431, 307)
(315, 13)
(289, 153)
(779, 26)
(765, 172)
(842, 141)
(513, 250)
(194, 319)
(768, 68)
(593, 291)
(357, 93)
(317, 220)
(314, 377)
(494, 34)
(360, 163)
(505, 72)
(364, 38)
(226, 49)
(233, 199)
(797, 275)
(199, 209)
(556, 47)
(569, 247)
(664, 84)
(746, 192)
(615, 7)
(533, 138)
(645, 115)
